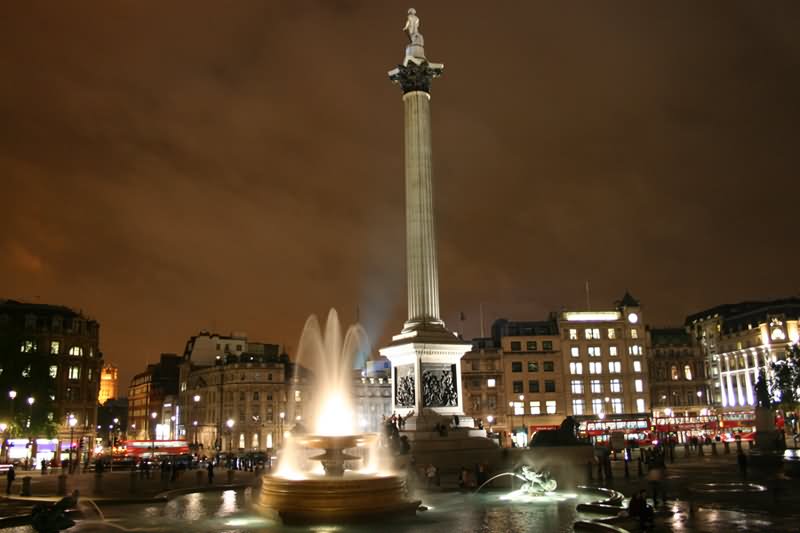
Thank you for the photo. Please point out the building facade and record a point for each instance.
(109, 384)
(738, 341)
(50, 363)
(483, 383)
(147, 393)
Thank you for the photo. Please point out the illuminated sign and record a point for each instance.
(591, 316)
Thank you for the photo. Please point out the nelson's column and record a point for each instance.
(425, 356)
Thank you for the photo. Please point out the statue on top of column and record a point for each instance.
(412, 28)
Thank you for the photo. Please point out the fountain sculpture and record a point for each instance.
(347, 480)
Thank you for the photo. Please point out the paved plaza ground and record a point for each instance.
(776, 509)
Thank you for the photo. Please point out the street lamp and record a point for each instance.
(153, 415)
(196, 400)
(31, 401)
(230, 424)
(71, 422)
(490, 419)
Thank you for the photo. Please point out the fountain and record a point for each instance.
(352, 482)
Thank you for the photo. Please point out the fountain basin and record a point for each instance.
(349, 498)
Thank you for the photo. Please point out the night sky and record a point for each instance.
(175, 166)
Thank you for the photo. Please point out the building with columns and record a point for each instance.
(483, 385)
(738, 341)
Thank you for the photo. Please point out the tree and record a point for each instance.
(785, 381)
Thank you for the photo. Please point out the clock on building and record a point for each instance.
(633, 318)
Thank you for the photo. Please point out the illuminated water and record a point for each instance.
(231, 512)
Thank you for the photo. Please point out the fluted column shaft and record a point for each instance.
(423, 278)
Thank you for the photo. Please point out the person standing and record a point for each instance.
(741, 459)
(11, 475)
(210, 469)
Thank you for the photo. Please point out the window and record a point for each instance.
(612, 351)
(533, 385)
(531, 346)
(614, 367)
(255, 396)
(594, 351)
(519, 408)
(26, 372)
(548, 366)
(575, 351)
(297, 396)
(547, 346)
(576, 386)
(476, 365)
(491, 401)
(687, 372)
(517, 387)
(27, 347)
(533, 366)
(536, 408)
(576, 368)
(634, 333)
(53, 371)
(595, 367)
(635, 349)
(491, 383)
(516, 346)
(611, 333)
(74, 372)
(241, 396)
(55, 347)
(638, 385)
(640, 405)
(550, 407)
(573, 334)
(674, 373)
(615, 385)
(596, 386)
(616, 405)
(239, 349)
(516, 366)
(597, 406)
(76, 351)
(637, 366)
(592, 333)
(549, 385)
(577, 406)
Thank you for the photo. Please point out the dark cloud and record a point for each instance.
(183, 165)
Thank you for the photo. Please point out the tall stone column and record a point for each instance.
(425, 357)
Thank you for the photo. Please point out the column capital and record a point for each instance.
(416, 76)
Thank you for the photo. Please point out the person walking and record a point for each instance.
(741, 459)
(11, 475)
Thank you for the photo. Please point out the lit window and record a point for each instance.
(550, 407)
(674, 373)
(55, 347)
(577, 407)
(576, 368)
(687, 372)
(592, 333)
(28, 347)
(635, 349)
(575, 351)
(576, 386)
(74, 372)
(612, 351)
(614, 367)
(597, 406)
(573, 334)
(594, 351)
(611, 333)
(637, 366)
(76, 351)
(595, 367)
(536, 408)
(596, 386)
(26, 372)
(615, 385)
(519, 408)
(297, 396)
(640, 405)
(634, 333)
(53, 371)
(638, 385)
(616, 405)
(491, 383)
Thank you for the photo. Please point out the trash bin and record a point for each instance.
(26, 486)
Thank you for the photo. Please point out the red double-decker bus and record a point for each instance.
(139, 449)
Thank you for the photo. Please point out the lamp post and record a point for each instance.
(153, 415)
(31, 401)
(230, 424)
(281, 416)
(490, 420)
(195, 400)
(71, 422)
(11, 395)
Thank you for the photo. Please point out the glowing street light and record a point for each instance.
(71, 422)
(196, 398)
(230, 424)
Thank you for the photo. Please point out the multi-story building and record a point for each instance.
(738, 341)
(146, 396)
(534, 389)
(372, 395)
(483, 385)
(50, 364)
(678, 391)
(109, 384)
(206, 348)
(605, 361)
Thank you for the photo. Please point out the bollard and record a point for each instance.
(727, 446)
(230, 477)
(62, 485)
(713, 448)
(26, 486)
